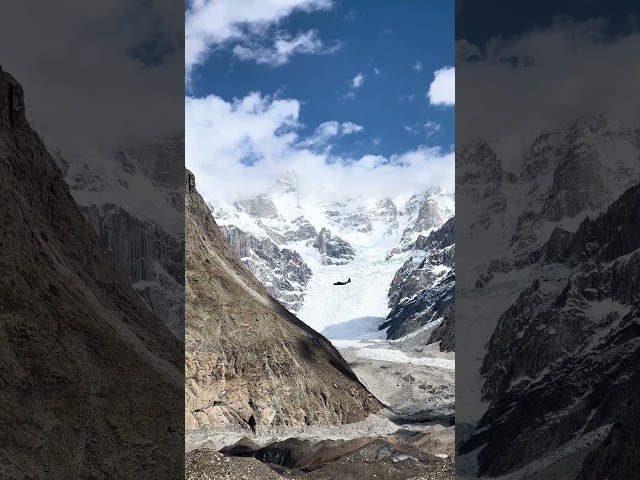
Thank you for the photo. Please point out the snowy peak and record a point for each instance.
(259, 207)
(379, 222)
(298, 243)
(422, 290)
(286, 184)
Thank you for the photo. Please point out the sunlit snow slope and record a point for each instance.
(368, 240)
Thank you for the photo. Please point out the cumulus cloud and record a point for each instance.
(348, 127)
(284, 47)
(417, 66)
(212, 23)
(357, 81)
(442, 90)
(545, 77)
(241, 147)
(108, 67)
(376, 71)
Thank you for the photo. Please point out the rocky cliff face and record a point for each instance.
(423, 289)
(445, 333)
(136, 209)
(333, 250)
(428, 212)
(281, 270)
(249, 361)
(83, 361)
(582, 344)
(561, 279)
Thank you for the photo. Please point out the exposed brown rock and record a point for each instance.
(249, 360)
(90, 380)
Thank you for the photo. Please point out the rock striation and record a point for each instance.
(281, 270)
(137, 211)
(250, 363)
(82, 360)
(333, 250)
(422, 291)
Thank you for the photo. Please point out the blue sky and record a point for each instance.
(478, 24)
(345, 82)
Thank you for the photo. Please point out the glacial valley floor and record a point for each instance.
(412, 439)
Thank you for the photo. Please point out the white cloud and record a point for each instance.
(348, 128)
(417, 66)
(376, 141)
(223, 135)
(323, 133)
(284, 47)
(84, 69)
(211, 23)
(546, 77)
(442, 90)
(430, 128)
(376, 71)
(357, 81)
(326, 131)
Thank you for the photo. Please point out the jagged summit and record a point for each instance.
(555, 254)
(287, 183)
(294, 246)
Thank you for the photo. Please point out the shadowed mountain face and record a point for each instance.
(82, 361)
(572, 371)
(134, 201)
(422, 291)
(250, 362)
(548, 236)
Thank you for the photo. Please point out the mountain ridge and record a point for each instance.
(250, 362)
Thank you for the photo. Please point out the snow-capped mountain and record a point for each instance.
(551, 291)
(137, 210)
(250, 363)
(314, 242)
(281, 270)
(422, 291)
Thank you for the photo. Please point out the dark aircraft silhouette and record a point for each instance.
(342, 283)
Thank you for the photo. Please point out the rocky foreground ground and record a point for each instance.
(398, 442)
(376, 459)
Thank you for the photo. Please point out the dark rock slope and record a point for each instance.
(90, 380)
(563, 363)
(249, 361)
(422, 291)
